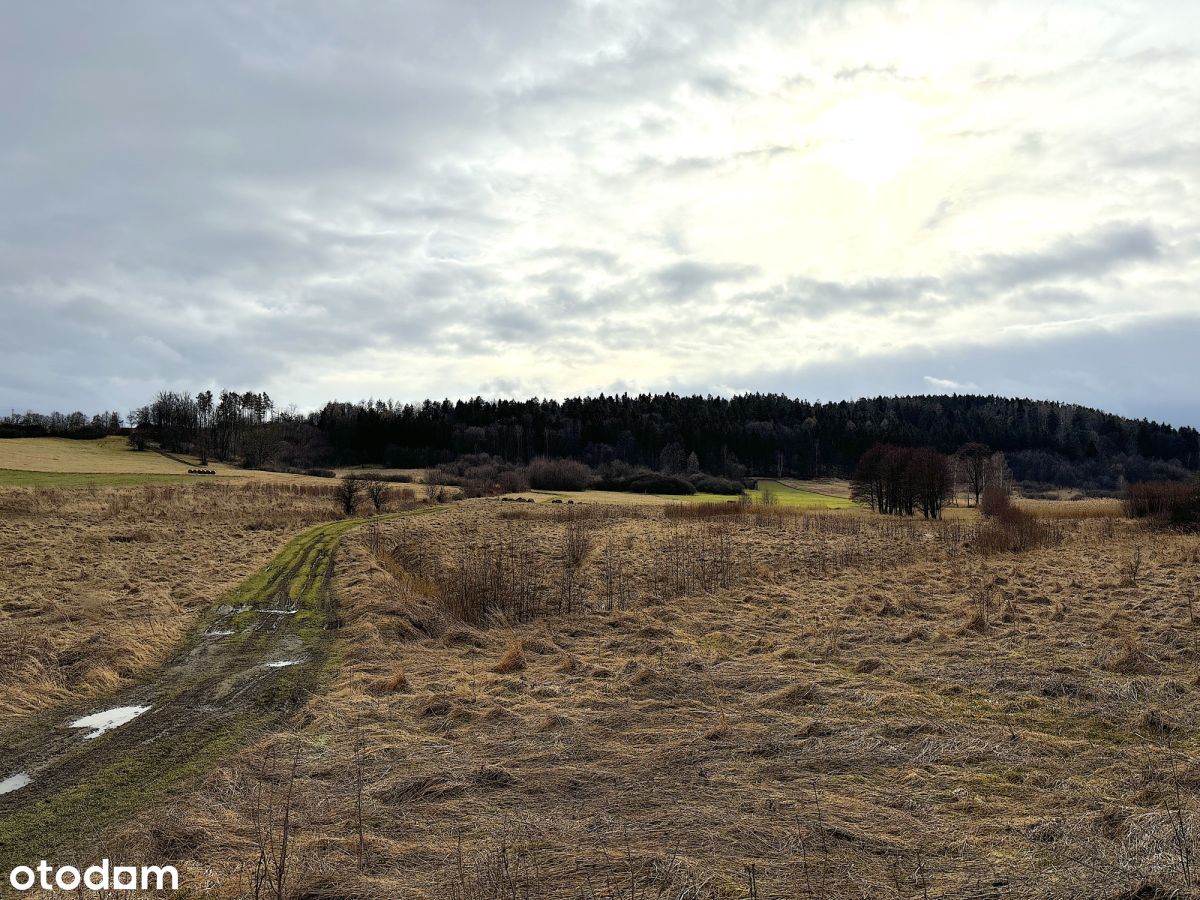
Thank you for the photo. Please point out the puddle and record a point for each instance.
(109, 719)
(278, 612)
(284, 663)
(14, 782)
(223, 632)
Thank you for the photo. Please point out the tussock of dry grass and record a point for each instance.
(513, 659)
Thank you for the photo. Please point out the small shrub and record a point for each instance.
(710, 484)
(995, 501)
(347, 495)
(377, 493)
(577, 544)
(513, 482)
(558, 474)
(1013, 530)
(1132, 567)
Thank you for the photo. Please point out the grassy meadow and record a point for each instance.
(626, 696)
(844, 705)
(111, 462)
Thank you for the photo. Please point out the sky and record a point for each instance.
(513, 198)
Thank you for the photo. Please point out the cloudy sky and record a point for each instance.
(517, 197)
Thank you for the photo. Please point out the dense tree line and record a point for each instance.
(758, 433)
(730, 437)
(57, 424)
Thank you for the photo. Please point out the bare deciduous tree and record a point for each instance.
(974, 459)
(431, 485)
(378, 493)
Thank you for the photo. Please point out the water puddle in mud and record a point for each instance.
(220, 632)
(109, 719)
(277, 612)
(14, 782)
(284, 663)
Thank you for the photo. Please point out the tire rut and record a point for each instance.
(250, 663)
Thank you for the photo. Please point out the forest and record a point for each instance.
(1045, 442)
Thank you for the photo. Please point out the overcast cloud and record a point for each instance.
(443, 198)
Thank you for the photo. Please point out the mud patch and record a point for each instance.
(109, 719)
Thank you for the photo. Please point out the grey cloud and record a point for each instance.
(1089, 256)
(1026, 279)
(218, 192)
(688, 278)
(684, 166)
(866, 70)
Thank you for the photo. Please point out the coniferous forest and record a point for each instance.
(1045, 442)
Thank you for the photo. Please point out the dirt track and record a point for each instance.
(249, 664)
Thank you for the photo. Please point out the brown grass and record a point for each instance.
(821, 725)
(1099, 508)
(513, 659)
(99, 585)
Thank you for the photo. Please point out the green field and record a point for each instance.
(786, 495)
(17, 478)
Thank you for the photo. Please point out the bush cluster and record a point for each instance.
(1010, 529)
(559, 474)
(1168, 502)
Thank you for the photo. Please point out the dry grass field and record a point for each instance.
(99, 584)
(636, 697)
(111, 462)
(708, 705)
(111, 455)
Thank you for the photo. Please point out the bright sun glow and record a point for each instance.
(870, 139)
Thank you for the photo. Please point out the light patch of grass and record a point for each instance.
(787, 495)
(19, 478)
(110, 455)
(111, 462)
(834, 487)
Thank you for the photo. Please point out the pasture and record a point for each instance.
(111, 462)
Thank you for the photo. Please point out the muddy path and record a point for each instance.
(67, 777)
